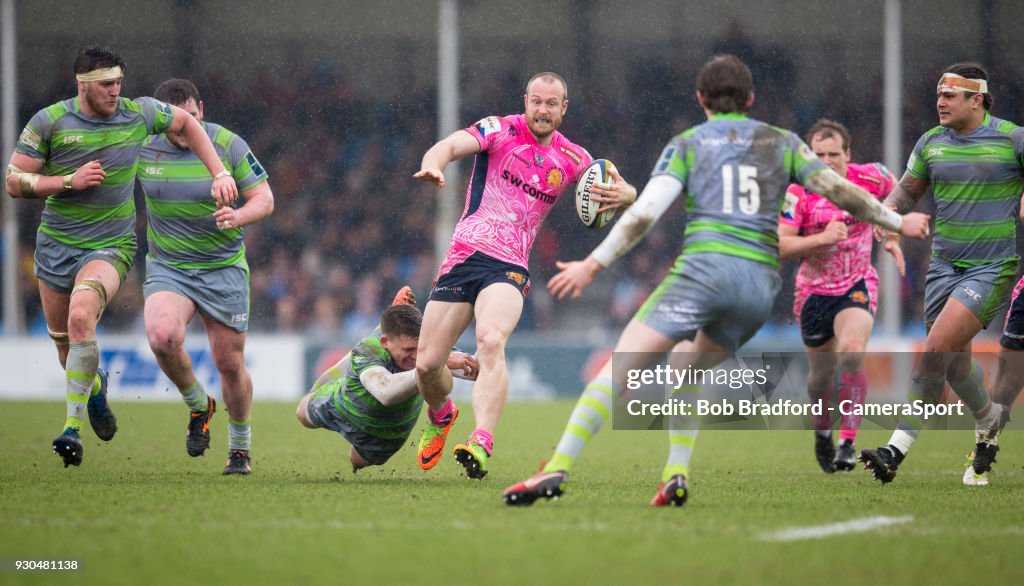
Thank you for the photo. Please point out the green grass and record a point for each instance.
(140, 511)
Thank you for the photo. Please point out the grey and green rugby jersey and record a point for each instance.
(735, 171)
(362, 409)
(176, 184)
(64, 138)
(976, 179)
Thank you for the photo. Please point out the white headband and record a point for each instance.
(101, 74)
(952, 82)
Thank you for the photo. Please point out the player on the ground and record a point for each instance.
(523, 164)
(734, 171)
(196, 264)
(836, 286)
(972, 163)
(370, 396)
(80, 155)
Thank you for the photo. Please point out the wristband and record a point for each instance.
(66, 184)
(224, 173)
(894, 220)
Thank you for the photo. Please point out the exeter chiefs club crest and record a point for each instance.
(519, 278)
(554, 178)
(522, 282)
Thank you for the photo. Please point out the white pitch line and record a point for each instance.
(820, 531)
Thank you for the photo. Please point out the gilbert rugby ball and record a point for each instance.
(586, 207)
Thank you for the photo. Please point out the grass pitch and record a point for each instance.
(140, 511)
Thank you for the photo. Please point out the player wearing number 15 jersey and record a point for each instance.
(734, 171)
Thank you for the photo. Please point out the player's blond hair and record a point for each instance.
(549, 77)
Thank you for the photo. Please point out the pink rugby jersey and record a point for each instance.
(834, 269)
(514, 184)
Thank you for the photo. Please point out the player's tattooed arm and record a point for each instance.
(906, 193)
(858, 202)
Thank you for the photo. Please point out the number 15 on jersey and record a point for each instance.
(740, 189)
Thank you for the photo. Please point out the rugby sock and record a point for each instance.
(97, 385)
(991, 420)
(483, 439)
(853, 387)
(442, 416)
(823, 422)
(79, 374)
(239, 435)
(195, 397)
(899, 444)
(682, 435)
(972, 390)
(592, 410)
(909, 426)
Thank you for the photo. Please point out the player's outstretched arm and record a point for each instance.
(457, 145)
(389, 388)
(658, 195)
(903, 198)
(573, 277)
(860, 203)
(224, 190)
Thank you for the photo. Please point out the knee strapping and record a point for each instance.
(60, 338)
(95, 286)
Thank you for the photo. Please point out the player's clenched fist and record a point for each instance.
(224, 190)
(88, 175)
(915, 225)
(834, 232)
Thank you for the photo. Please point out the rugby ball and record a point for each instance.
(586, 207)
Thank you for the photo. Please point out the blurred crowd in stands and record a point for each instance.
(350, 226)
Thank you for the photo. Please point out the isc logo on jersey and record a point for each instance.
(489, 125)
(586, 208)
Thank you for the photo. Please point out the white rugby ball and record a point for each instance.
(586, 207)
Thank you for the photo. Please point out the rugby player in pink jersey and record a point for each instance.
(523, 164)
(836, 286)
